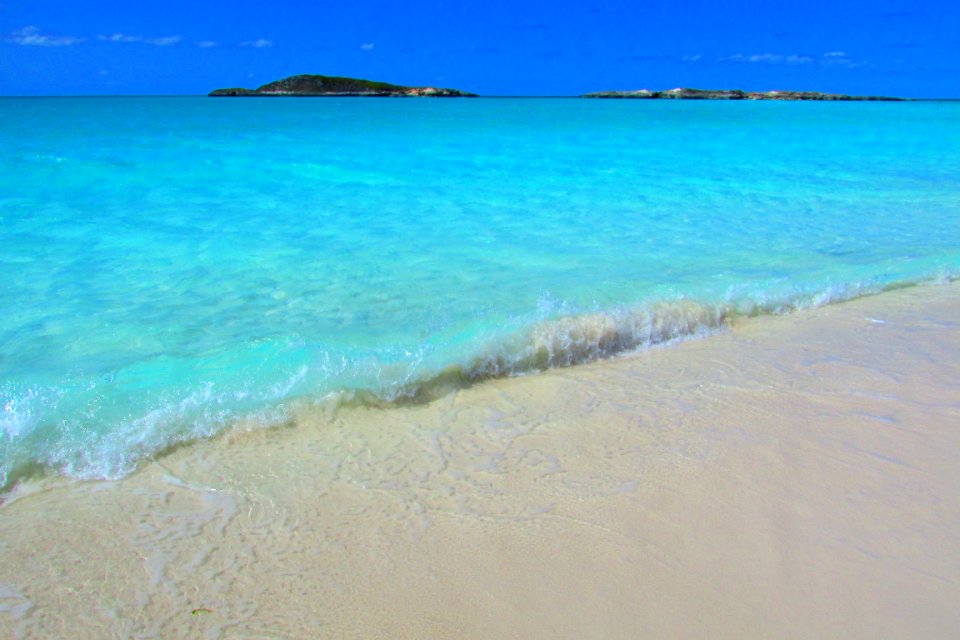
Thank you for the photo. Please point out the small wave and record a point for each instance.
(548, 344)
(29, 448)
(580, 338)
(562, 342)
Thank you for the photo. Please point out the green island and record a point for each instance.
(306, 85)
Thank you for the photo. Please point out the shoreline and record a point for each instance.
(530, 347)
(793, 476)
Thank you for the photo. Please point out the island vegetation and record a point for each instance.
(333, 86)
(308, 85)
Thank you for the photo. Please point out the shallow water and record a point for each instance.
(171, 265)
(794, 477)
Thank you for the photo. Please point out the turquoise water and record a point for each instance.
(170, 265)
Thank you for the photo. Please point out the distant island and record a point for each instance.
(335, 86)
(307, 85)
(729, 94)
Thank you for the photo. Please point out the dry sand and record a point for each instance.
(795, 477)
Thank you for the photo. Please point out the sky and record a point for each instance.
(491, 47)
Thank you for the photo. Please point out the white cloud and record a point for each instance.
(840, 59)
(165, 41)
(695, 58)
(259, 43)
(119, 37)
(830, 58)
(769, 58)
(206, 44)
(31, 37)
(367, 46)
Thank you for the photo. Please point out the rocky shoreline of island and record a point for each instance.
(733, 94)
(310, 85)
(307, 85)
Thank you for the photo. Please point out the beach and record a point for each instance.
(410, 321)
(793, 476)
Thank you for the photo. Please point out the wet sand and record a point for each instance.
(794, 477)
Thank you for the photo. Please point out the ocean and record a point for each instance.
(174, 267)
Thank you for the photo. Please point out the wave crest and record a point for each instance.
(560, 342)
(34, 441)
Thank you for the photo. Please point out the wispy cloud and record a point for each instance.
(164, 41)
(839, 59)
(769, 58)
(119, 37)
(830, 58)
(31, 37)
(259, 43)
(206, 44)
(367, 46)
(694, 58)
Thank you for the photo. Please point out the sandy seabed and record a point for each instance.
(794, 477)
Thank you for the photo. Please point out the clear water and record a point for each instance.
(171, 265)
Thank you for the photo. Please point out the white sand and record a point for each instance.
(796, 477)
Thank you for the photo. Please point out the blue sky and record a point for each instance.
(492, 47)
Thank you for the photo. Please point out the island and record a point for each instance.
(306, 85)
(730, 94)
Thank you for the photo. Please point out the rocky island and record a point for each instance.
(729, 94)
(335, 86)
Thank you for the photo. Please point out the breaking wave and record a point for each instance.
(72, 429)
